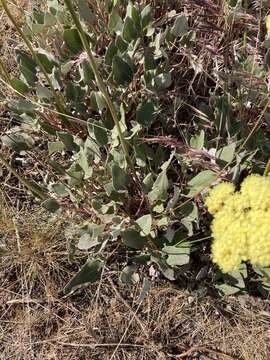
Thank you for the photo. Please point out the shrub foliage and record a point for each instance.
(133, 110)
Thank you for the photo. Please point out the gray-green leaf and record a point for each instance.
(146, 16)
(145, 223)
(51, 205)
(180, 26)
(129, 30)
(163, 80)
(68, 140)
(84, 11)
(133, 239)
(145, 113)
(100, 134)
(89, 273)
(201, 181)
(122, 72)
(55, 146)
(18, 142)
(19, 85)
(73, 40)
(129, 275)
(177, 255)
(119, 178)
(160, 188)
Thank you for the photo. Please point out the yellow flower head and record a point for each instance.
(268, 24)
(218, 197)
(241, 224)
(256, 189)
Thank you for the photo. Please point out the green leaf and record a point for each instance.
(87, 72)
(142, 259)
(89, 273)
(122, 72)
(145, 113)
(173, 201)
(49, 19)
(262, 271)
(84, 162)
(146, 16)
(51, 205)
(133, 13)
(121, 44)
(98, 101)
(227, 289)
(66, 68)
(58, 168)
(180, 26)
(190, 213)
(133, 239)
(92, 146)
(18, 141)
(38, 28)
(160, 188)
(148, 182)
(201, 181)
(163, 80)
(26, 61)
(25, 106)
(71, 91)
(163, 221)
(19, 86)
(93, 229)
(84, 11)
(197, 141)
(145, 224)
(166, 270)
(100, 134)
(38, 16)
(177, 256)
(55, 146)
(43, 92)
(47, 127)
(56, 79)
(48, 61)
(226, 153)
(129, 275)
(267, 60)
(119, 178)
(129, 30)
(145, 289)
(110, 53)
(59, 189)
(87, 242)
(115, 22)
(54, 6)
(68, 140)
(29, 76)
(89, 236)
(73, 40)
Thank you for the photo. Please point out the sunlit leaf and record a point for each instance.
(89, 273)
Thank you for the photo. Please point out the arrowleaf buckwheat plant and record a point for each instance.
(125, 113)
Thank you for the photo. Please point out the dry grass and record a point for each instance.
(107, 321)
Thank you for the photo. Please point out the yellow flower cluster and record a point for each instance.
(268, 24)
(241, 224)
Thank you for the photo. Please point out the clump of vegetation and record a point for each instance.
(131, 112)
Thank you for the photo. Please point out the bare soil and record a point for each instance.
(107, 320)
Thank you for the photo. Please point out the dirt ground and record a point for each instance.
(108, 320)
